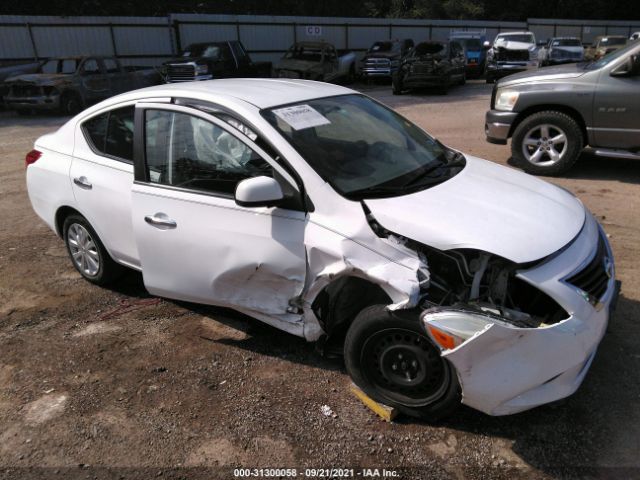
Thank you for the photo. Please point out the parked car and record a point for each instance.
(551, 114)
(9, 71)
(559, 50)
(510, 52)
(472, 43)
(383, 58)
(204, 61)
(70, 84)
(431, 64)
(317, 61)
(603, 45)
(326, 214)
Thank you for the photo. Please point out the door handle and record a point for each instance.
(82, 182)
(161, 221)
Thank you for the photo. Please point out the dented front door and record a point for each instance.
(195, 243)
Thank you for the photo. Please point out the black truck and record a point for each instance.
(208, 60)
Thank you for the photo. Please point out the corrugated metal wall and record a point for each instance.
(151, 40)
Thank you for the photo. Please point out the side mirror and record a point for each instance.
(486, 44)
(629, 68)
(258, 192)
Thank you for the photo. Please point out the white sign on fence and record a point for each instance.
(313, 30)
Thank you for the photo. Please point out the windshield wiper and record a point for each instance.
(457, 161)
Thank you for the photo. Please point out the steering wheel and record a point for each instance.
(382, 151)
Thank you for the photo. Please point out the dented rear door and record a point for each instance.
(195, 243)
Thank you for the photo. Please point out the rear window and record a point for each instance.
(430, 48)
(613, 41)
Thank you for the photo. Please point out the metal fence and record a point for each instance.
(150, 40)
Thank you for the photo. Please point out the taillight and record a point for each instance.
(32, 157)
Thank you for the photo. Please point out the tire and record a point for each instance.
(70, 103)
(396, 85)
(463, 80)
(87, 253)
(547, 143)
(376, 343)
(444, 88)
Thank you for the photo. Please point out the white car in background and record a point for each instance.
(322, 212)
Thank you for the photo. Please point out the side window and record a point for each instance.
(225, 53)
(238, 51)
(111, 65)
(111, 133)
(91, 67)
(186, 151)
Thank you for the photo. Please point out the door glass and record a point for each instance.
(111, 65)
(111, 133)
(91, 67)
(189, 152)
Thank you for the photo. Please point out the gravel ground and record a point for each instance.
(113, 383)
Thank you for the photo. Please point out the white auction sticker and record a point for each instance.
(301, 117)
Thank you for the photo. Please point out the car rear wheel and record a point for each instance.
(70, 103)
(547, 143)
(393, 361)
(87, 253)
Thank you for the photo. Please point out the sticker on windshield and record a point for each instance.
(301, 117)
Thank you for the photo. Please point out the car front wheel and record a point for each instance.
(87, 253)
(393, 361)
(547, 143)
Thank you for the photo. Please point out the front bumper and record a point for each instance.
(502, 69)
(377, 72)
(40, 102)
(497, 125)
(424, 80)
(505, 369)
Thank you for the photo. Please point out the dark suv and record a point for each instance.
(552, 113)
(431, 64)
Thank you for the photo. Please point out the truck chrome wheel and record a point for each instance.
(405, 367)
(83, 249)
(544, 145)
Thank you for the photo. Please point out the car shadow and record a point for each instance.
(592, 167)
(593, 433)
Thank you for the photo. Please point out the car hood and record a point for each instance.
(390, 55)
(297, 65)
(40, 78)
(576, 50)
(511, 45)
(571, 70)
(486, 207)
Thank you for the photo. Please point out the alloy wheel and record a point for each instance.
(544, 145)
(84, 250)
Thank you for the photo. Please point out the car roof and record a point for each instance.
(515, 33)
(259, 92)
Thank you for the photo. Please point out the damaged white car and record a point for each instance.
(318, 210)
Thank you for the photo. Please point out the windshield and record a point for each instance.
(60, 65)
(207, 51)
(430, 48)
(566, 42)
(362, 148)
(470, 43)
(520, 37)
(604, 42)
(610, 57)
(384, 47)
(305, 52)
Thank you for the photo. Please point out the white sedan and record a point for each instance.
(318, 210)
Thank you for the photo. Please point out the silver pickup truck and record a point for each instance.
(317, 61)
(552, 113)
(70, 84)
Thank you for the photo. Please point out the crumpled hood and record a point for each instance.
(40, 78)
(486, 207)
(511, 45)
(297, 65)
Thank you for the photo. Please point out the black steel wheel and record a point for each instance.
(391, 358)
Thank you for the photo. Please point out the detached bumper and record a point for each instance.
(497, 125)
(505, 369)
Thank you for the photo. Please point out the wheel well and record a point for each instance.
(573, 113)
(340, 302)
(61, 215)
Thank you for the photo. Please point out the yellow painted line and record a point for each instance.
(383, 411)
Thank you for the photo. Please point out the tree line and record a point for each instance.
(433, 9)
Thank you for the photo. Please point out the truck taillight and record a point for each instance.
(32, 157)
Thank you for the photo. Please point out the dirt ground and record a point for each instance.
(99, 383)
